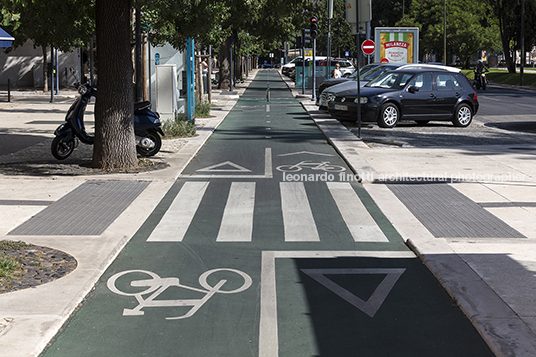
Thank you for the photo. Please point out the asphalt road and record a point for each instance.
(266, 246)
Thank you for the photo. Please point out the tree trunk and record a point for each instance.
(225, 73)
(45, 67)
(504, 40)
(114, 109)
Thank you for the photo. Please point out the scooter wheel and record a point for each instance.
(62, 149)
(155, 137)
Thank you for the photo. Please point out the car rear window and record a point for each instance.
(446, 81)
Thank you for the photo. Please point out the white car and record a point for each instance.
(346, 67)
(286, 69)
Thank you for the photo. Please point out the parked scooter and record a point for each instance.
(146, 127)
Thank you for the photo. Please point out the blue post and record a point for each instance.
(190, 82)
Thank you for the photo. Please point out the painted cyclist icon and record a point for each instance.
(156, 285)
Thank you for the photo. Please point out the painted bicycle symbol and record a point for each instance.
(324, 166)
(156, 285)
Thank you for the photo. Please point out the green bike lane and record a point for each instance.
(267, 246)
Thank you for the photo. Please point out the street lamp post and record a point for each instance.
(445, 32)
(330, 16)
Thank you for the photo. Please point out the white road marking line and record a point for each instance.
(237, 221)
(360, 223)
(268, 337)
(178, 217)
(268, 340)
(297, 215)
(268, 163)
(267, 170)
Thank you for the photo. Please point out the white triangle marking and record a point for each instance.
(375, 301)
(215, 168)
(304, 152)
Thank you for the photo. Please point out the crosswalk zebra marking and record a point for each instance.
(237, 221)
(360, 223)
(178, 217)
(297, 215)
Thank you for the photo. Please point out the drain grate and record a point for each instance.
(87, 210)
(447, 213)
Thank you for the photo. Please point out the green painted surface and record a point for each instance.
(416, 317)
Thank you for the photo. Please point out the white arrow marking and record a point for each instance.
(372, 305)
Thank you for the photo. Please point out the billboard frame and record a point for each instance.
(396, 30)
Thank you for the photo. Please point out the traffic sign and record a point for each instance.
(368, 47)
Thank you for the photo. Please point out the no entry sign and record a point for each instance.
(368, 47)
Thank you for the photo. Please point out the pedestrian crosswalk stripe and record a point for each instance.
(360, 223)
(237, 221)
(297, 215)
(176, 220)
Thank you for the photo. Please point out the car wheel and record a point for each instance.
(389, 116)
(462, 116)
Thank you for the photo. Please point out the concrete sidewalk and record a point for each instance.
(492, 279)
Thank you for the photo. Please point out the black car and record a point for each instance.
(367, 73)
(413, 94)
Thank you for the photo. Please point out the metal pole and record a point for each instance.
(92, 62)
(523, 56)
(149, 74)
(209, 79)
(445, 32)
(51, 74)
(358, 79)
(137, 54)
(9, 90)
(303, 65)
(57, 70)
(328, 72)
(231, 66)
(330, 16)
(314, 68)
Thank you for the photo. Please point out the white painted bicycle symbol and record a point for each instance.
(157, 285)
(324, 166)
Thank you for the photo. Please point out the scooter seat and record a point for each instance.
(142, 105)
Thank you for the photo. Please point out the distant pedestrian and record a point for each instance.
(337, 72)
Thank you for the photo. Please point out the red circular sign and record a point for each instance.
(368, 47)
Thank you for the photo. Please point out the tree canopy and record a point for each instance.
(469, 27)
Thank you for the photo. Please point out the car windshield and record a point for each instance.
(391, 80)
(375, 72)
(363, 70)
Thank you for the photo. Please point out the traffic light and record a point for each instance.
(314, 27)
(306, 37)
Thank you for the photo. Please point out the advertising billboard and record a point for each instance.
(397, 44)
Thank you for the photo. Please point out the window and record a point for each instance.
(443, 81)
(423, 82)
(390, 80)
